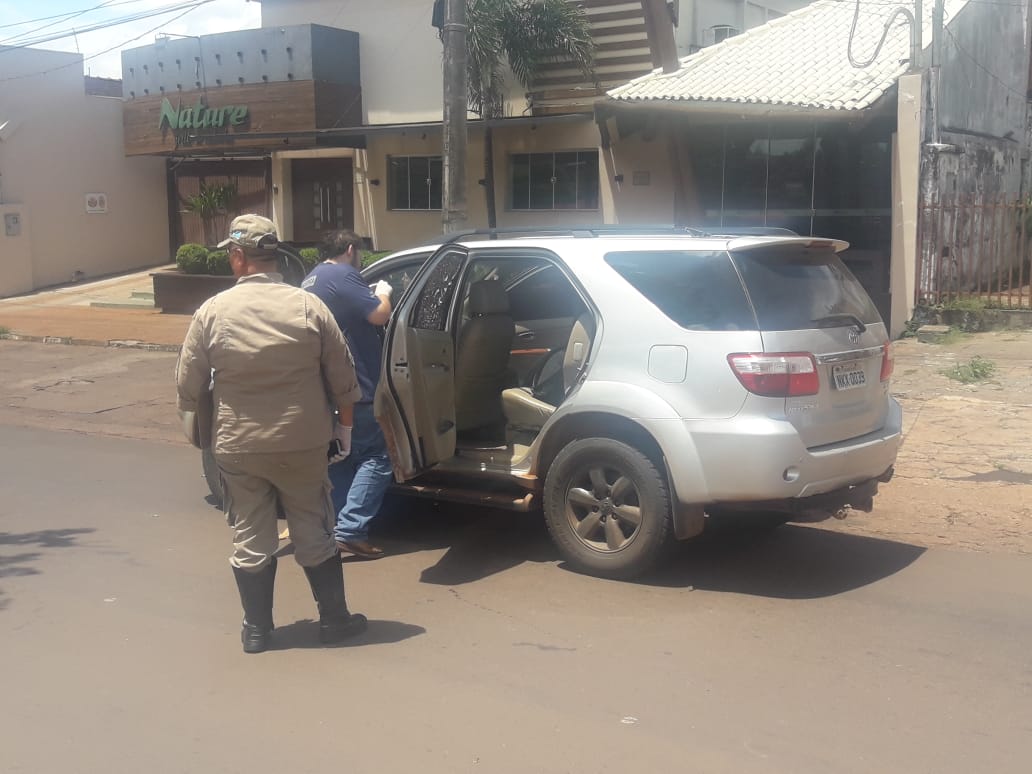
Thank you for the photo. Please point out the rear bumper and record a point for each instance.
(762, 460)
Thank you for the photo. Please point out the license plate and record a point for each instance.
(848, 376)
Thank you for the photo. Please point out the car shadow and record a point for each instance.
(304, 633)
(21, 564)
(789, 562)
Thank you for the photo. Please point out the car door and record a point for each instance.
(545, 306)
(415, 400)
(398, 273)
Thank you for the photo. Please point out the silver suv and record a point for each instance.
(637, 386)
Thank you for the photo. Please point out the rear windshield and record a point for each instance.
(794, 287)
(699, 291)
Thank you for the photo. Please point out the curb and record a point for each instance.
(116, 343)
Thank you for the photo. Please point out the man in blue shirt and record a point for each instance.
(361, 479)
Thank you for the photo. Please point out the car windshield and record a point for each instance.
(699, 291)
(794, 287)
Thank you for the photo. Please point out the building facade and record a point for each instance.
(72, 205)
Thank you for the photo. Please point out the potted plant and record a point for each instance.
(199, 274)
(211, 201)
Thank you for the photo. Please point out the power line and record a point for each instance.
(106, 50)
(190, 5)
(62, 17)
(981, 66)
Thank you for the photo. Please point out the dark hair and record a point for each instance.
(337, 243)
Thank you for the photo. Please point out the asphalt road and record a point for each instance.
(801, 651)
(804, 650)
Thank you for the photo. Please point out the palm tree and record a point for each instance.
(522, 35)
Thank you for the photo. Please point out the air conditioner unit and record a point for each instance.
(718, 33)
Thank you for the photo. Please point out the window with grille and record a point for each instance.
(414, 182)
(554, 181)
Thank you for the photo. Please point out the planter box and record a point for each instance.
(178, 293)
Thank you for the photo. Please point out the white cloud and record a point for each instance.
(216, 16)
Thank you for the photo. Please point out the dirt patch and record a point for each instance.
(964, 472)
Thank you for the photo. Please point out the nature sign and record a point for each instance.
(182, 120)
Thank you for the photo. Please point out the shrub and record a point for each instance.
(369, 258)
(218, 263)
(192, 259)
(977, 369)
(309, 257)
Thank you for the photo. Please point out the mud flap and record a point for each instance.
(689, 520)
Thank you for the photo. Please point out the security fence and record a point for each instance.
(975, 249)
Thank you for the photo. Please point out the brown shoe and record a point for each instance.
(362, 548)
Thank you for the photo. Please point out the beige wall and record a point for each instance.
(400, 53)
(906, 168)
(64, 145)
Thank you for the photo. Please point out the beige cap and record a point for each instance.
(252, 231)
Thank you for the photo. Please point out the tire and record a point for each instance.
(597, 533)
(211, 475)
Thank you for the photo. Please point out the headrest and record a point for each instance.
(487, 297)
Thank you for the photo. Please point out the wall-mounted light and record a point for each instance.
(481, 181)
(374, 181)
(618, 178)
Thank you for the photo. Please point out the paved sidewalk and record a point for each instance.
(89, 313)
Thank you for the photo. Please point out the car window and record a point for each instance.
(697, 290)
(399, 276)
(794, 287)
(544, 294)
(431, 309)
(501, 268)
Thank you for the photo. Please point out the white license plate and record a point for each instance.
(848, 376)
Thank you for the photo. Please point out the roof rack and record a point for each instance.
(584, 232)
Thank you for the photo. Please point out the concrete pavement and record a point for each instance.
(107, 312)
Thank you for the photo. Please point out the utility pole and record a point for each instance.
(454, 213)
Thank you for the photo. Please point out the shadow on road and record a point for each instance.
(789, 562)
(305, 634)
(20, 565)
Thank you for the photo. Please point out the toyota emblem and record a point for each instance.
(854, 336)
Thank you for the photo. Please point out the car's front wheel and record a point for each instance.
(607, 508)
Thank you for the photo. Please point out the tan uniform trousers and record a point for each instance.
(253, 483)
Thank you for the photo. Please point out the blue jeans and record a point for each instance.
(361, 480)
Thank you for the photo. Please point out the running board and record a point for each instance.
(509, 502)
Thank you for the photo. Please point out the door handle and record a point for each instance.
(442, 366)
(525, 335)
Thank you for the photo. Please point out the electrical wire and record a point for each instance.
(78, 62)
(189, 5)
(981, 66)
(61, 18)
(885, 34)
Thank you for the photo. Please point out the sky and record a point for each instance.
(21, 18)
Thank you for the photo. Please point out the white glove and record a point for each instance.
(382, 288)
(342, 440)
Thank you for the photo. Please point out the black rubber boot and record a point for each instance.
(335, 622)
(256, 589)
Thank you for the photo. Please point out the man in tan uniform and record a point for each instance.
(279, 365)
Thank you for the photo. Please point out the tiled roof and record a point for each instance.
(798, 60)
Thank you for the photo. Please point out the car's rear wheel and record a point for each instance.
(211, 475)
(607, 508)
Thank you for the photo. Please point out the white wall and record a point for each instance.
(906, 175)
(698, 16)
(65, 145)
(400, 52)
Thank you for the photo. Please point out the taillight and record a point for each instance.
(776, 374)
(888, 362)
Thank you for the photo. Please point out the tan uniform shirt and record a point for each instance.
(279, 361)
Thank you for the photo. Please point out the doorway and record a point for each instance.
(323, 197)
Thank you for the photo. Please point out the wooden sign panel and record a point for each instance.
(219, 119)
